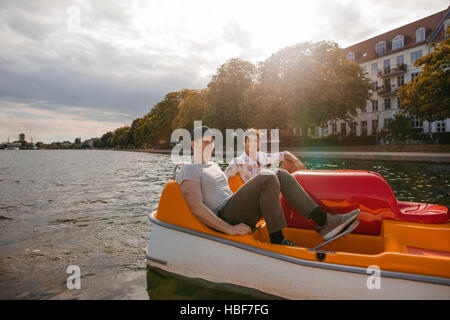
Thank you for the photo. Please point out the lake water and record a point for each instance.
(89, 208)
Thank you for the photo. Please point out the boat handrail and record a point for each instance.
(175, 169)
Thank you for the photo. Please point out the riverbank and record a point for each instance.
(409, 153)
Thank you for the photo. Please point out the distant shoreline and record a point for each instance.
(411, 156)
(439, 155)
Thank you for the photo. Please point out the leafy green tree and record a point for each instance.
(158, 123)
(428, 96)
(121, 138)
(225, 94)
(307, 84)
(190, 109)
(402, 127)
(137, 138)
(105, 140)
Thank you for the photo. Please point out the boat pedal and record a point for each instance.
(344, 232)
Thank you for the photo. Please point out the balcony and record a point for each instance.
(388, 72)
(387, 91)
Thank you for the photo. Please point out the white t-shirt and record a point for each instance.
(248, 168)
(213, 183)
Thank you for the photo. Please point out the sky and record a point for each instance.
(80, 68)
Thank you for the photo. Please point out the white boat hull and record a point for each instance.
(194, 256)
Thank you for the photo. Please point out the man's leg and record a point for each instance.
(328, 225)
(295, 194)
(258, 198)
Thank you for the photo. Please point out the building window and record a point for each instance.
(364, 69)
(374, 68)
(387, 104)
(420, 34)
(380, 48)
(374, 85)
(374, 125)
(374, 105)
(387, 66)
(445, 26)
(440, 126)
(414, 75)
(387, 85)
(364, 128)
(400, 80)
(416, 122)
(415, 55)
(398, 42)
(400, 60)
(334, 127)
(351, 56)
(398, 103)
(352, 127)
(343, 128)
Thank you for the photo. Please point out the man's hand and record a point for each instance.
(194, 198)
(297, 163)
(239, 230)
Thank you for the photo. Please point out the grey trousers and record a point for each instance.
(260, 198)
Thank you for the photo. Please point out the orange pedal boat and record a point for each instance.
(400, 250)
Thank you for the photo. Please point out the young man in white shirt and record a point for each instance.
(252, 161)
(205, 188)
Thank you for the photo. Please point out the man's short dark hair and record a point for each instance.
(199, 131)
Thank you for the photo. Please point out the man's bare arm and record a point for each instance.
(193, 195)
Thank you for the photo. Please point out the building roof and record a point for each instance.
(365, 50)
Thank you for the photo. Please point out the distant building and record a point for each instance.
(90, 143)
(22, 137)
(16, 145)
(388, 60)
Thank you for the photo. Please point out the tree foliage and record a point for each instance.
(121, 138)
(428, 95)
(225, 94)
(190, 109)
(307, 84)
(402, 127)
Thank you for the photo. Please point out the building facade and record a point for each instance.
(388, 60)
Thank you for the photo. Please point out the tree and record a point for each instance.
(76, 144)
(307, 84)
(121, 137)
(158, 123)
(105, 140)
(402, 127)
(190, 109)
(136, 134)
(225, 94)
(428, 95)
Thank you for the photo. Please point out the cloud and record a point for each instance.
(342, 22)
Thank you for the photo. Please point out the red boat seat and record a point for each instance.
(341, 191)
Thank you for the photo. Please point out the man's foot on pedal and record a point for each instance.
(288, 243)
(335, 223)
